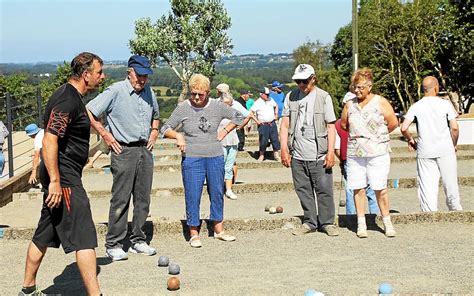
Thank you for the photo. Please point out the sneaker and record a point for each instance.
(305, 229)
(276, 156)
(142, 248)
(330, 230)
(36, 292)
(195, 241)
(362, 231)
(116, 254)
(224, 237)
(389, 229)
(230, 195)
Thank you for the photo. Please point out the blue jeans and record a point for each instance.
(195, 170)
(265, 132)
(350, 205)
(230, 154)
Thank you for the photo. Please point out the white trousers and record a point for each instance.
(429, 171)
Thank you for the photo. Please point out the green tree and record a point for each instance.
(190, 39)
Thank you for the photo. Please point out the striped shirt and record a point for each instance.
(199, 126)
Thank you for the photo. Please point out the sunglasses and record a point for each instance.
(304, 81)
(201, 96)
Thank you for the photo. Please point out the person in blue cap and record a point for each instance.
(37, 134)
(132, 117)
(279, 97)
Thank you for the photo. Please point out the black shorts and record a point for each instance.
(69, 225)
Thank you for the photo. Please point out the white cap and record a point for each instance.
(265, 90)
(303, 71)
(223, 88)
(348, 96)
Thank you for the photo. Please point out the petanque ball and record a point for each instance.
(173, 283)
(272, 210)
(279, 209)
(267, 208)
(173, 269)
(312, 292)
(385, 288)
(163, 261)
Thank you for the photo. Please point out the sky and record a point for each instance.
(56, 30)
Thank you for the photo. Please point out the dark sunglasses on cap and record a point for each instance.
(304, 81)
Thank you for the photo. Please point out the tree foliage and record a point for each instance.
(190, 39)
(405, 41)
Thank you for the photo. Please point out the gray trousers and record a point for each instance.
(310, 177)
(132, 172)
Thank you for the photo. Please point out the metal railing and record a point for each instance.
(21, 109)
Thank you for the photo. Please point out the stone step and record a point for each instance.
(399, 154)
(249, 161)
(102, 180)
(168, 212)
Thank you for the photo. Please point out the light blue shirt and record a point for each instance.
(237, 106)
(279, 98)
(129, 114)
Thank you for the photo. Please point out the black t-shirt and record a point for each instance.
(242, 102)
(66, 117)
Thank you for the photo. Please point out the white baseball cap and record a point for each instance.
(303, 71)
(223, 88)
(348, 96)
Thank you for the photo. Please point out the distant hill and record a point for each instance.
(230, 62)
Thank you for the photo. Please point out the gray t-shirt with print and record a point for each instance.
(304, 145)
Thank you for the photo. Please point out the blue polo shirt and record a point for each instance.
(279, 98)
(128, 114)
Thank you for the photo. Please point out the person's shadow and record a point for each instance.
(69, 282)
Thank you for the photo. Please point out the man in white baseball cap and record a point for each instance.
(308, 135)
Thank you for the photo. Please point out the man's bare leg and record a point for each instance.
(34, 256)
(87, 263)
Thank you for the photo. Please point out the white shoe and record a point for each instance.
(143, 248)
(230, 195)
(116, 254)
(389, 229)
(362, 230)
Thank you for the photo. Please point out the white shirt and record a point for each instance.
(39, 140)
(434, 137)
(265, 110)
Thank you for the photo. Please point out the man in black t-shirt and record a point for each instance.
(66, 217)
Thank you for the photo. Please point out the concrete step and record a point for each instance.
(247, 212)
(102, 180)
(249, 161)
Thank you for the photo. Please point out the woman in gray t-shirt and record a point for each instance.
(202, 153)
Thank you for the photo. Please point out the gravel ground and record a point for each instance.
(423, 258)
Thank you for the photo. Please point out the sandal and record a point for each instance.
(195, 241)
(224, 237)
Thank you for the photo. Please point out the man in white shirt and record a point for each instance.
(438, 134)
(37, 134)
(266, 111)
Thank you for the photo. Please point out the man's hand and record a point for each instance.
(221, 135)
(181, 142)
(32, 179)
(412, 145)
(111, 142)
(285, 157)
(329, 160)
(54, 195)
(152, 139)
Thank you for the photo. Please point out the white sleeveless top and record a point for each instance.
(368, 131)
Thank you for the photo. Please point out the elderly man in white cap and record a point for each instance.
(307, 136)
